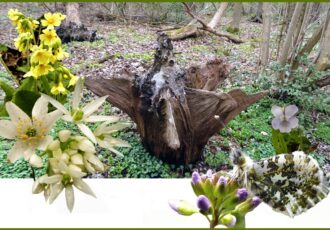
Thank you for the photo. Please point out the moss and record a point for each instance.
(113, 38)
(232, 30)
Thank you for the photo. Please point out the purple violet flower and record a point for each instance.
(242, 194)
(222, 180)
(195, 177)
(256, 201)
(203, 203)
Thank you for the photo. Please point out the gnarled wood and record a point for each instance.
(173, 108)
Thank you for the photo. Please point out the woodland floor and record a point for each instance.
(131, 45)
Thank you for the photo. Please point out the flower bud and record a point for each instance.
(209, 173)
(196, 183)
(203, 203)
(228, 220)
(54, 145)
(222, 180)
(256, 201)
(86, 146)
(195, 178)
(183, 207)
(35, 161)
(242, 194)
(77, 159)
(64, 135)
(65, 157)
(248, 205)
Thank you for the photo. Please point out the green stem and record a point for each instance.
(33, 174)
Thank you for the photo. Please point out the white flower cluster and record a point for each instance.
(70, 157)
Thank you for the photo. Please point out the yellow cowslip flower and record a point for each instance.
(58, 89)
(52, 20)
(23, 41)
(49, 37)
(25, 25)
(39, 70)
(14, 15)
(41, 56)
(73, 80)
(60, 54)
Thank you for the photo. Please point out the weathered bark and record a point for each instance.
(258, 16)
(234, 24)
(72, 13)
(325, 81)
(173, 120)
(193, 30)
(287, 46)
(265, 34)
(73, 29)
(323, 60)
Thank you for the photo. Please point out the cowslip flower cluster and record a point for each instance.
(219, 199)
(39, 43)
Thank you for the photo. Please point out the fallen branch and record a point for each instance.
(207, 28)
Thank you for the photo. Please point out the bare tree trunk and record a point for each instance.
(298, 31)
(72, 13)
(307, 48)
(287, 45)
(234, 24)
(323, 61)
(173, 108)
(215, 21)
(266, 33)
(258, 16)
(287, 15)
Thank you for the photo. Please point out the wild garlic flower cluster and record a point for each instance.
(39, 43)
(70, 159)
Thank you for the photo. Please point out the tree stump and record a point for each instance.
(73, 32)
(173, 120)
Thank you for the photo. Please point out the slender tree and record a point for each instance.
(287, 45)
(234, 24)
(266, 33)
(72, 13)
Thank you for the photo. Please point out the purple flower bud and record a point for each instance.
(209, 173)
(203, 203)
(195, 177)
(222, 180)
(242, 194)
(173, 204)
(256, 201)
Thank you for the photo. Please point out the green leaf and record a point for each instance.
(24, 68)
(3, 111)
(29, 84)
(3, 48)
(25, 100)
(9, 91)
